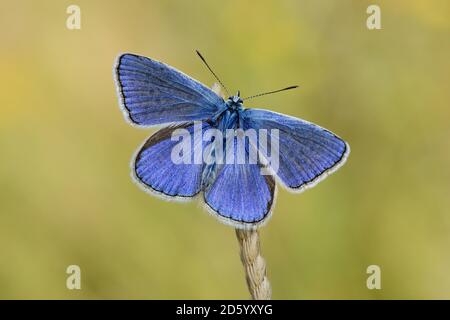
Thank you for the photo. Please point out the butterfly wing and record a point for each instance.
(153, 93)
(240, 195)
(307, 152)
(155, 170)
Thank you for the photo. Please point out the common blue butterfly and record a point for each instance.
(152, 93)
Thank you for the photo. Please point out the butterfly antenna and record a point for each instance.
(215, 75)
(265, 93)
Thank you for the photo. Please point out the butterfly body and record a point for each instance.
(235, 191)
(226, 120)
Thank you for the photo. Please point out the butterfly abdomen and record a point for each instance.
(210, 168)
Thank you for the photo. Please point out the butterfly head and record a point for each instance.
(235, 102)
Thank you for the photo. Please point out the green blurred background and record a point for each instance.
(65, 192)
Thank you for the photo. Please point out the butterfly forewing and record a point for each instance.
(306, 151)
(153, 93)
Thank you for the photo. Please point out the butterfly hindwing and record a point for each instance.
(155, 170)
(240, 195)
(307, 152)
(153, 93)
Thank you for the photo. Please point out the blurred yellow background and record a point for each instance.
(65, 191)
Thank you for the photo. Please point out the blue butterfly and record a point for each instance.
(152, 93)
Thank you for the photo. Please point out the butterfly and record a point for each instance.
(152, 93)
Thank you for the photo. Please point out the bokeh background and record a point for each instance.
(65, 192)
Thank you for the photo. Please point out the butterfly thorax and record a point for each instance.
(235, 102)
